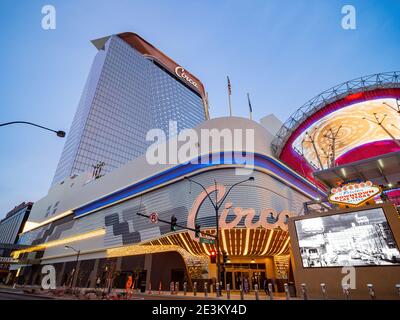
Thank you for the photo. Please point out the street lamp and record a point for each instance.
(78, 252)
(217, 204)
(59, 133)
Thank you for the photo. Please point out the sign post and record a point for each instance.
(207, 240)
(153, 217)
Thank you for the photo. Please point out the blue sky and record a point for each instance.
(282, 52)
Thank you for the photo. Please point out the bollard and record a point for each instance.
(195, 288)
(371, 291)
(304, 291)
(256, 292)
(205, 289)
(176, 287)
(398, 288)
(324, 293)
(271, 293)
(346, 291)
(184, 288)
(228, 291)
(171, 287)
(217, 289)
(287, 291)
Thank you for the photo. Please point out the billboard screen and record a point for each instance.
(361, 238)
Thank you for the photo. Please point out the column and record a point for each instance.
(148, 258)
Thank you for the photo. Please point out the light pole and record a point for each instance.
(78, 252)
(59, 133)
(217, 204)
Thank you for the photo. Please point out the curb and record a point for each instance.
(18, 293)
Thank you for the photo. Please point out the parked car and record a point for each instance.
(355, 255)
(365, 257)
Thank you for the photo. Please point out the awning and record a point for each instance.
(382, 170)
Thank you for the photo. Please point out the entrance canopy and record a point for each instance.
(234, 241)
(383, 170)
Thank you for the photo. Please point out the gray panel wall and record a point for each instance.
(124, 227)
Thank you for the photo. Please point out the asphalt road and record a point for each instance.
(17, 296)
(4, 295)
(170, 297)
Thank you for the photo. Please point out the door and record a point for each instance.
(238, 280)
(229, 279)
(178, 275)
(142, 280)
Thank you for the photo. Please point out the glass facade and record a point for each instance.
(11, 225)
(125, 96)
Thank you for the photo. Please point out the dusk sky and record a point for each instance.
(282, 52)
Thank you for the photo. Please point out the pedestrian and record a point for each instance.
(98, 282)
(246, 285)
(266, 287)
(128, 286)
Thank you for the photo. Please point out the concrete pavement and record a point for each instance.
(7, 293)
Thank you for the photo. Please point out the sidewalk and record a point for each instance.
(51, 294)
(200, 295)
(234, 295)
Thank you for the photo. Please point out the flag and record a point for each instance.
(229, 86)
(248, 99)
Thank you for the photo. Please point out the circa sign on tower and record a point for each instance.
(180, 72)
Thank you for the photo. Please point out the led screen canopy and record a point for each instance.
(354, 130)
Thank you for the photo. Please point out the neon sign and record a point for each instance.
(280, 219)
(180, 72)
(355, 194)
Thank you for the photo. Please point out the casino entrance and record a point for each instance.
(245, 275)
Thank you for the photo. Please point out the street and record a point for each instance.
(17, 296)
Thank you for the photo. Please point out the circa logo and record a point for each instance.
(265, 218)
(180, 72)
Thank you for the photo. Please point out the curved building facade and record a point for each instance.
(98, 217)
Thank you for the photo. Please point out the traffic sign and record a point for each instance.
(153, 217)
(207, 240)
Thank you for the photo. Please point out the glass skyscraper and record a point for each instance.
(132, 87)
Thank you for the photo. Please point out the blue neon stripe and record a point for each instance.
(262, 161)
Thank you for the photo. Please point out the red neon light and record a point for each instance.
(355, 96)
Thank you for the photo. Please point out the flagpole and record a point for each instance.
(230, 105)
(207, 107)
(229, 97)
(250, 108)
